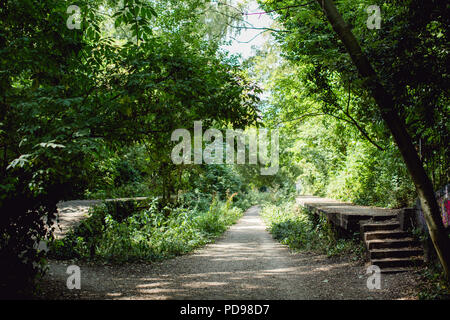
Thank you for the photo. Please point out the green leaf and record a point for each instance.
(50, 145)
(19, 162)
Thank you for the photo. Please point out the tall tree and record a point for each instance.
(396, 125)
(66, 93)
(401, 88)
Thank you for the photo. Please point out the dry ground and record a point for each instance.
(245, 263)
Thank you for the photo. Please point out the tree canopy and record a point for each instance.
(91, 92)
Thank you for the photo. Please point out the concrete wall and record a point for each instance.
(443, 199)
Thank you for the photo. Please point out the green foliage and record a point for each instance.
(74, 100)
(322, 148)
(333, 128)
(301, 230)
(144, 235)
(372, 177)
(91, 111)
(219, 216)
(119, 175)
(433, 286)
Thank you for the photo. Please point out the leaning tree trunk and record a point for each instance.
(397, 127)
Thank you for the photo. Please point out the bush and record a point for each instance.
(300, 230)
(121, 210)
(144, 235)
(371, 177)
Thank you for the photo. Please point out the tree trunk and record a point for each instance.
(397, 127)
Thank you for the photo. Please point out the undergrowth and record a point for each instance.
(149, 234)
(434, 286)
(302, 231)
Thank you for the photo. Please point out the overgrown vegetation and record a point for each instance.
(89, 112)
(128, 234)
(302, 230)
(372, 81)
(75, 102)
(341, 146)
(434, 286)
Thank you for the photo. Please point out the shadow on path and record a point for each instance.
(245, 263)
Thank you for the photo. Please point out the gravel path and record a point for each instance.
(245, 263)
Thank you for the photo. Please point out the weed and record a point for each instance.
(144, 235)
(301, 230)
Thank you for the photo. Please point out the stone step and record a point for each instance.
(397, 270)
(382, 234)
(388, 263)
(380, 226)
(395, 253)
(384, 217)
(391, 243)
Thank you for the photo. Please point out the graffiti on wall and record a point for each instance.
(443, 199)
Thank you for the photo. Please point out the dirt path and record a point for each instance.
(245, 263)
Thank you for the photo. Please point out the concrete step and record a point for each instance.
(397, 270)
(388, 263)
(395, 253)
(380, 225)
(388, 234)
(384, 217)
(391, 243)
